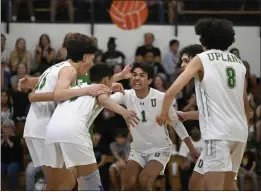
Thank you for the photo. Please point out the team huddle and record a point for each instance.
(63, 110)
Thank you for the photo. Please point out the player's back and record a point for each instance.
(41, 112)
(220, 96)
(71, 120)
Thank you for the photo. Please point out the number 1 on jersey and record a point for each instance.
(231, 77)
(143, 117)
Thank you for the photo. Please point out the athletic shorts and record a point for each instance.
(220, 156)
(160, 156)
(36, 150)
(58, 154)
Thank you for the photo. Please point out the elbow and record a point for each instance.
(31, 98)
(57, 97)
(169, 94)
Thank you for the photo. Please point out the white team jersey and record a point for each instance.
(220, 97)
(72, 119)
(40, 113)
(148, 136)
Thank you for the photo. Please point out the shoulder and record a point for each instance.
(157, 93)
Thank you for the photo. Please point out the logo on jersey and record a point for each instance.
(141, 103)
(153, 102)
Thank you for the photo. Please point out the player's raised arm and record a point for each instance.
(125, 74)
(191, 70)
(129, 116)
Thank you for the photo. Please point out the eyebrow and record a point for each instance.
(139, 73)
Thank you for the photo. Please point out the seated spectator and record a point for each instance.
(113, 56)
(148, 47)
(20, 55)
(149, 58)
(171, 59)
(258, 124)
(62, 52)
(5, 52)
(120, 150)
(160, 82)
(11, 154)
(21, 102)
(6, 106)
(160, 4)
(188, 164)
(172, 6)
(235, 51)
(247, 169)
(30, 7)
(44, 54)
(101, 156)
(30, 177)
(56, 3)
(5, 70)
(98, 54)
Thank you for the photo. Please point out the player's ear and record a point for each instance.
(150, 81)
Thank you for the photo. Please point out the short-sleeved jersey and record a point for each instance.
(220, 97)
(72, 119)
(148, 136)
(41, 112)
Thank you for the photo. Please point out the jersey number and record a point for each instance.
(231, 77)
(143, 117)
(41, 82)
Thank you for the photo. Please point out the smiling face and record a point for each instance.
(140, 80)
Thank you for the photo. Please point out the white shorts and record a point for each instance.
(36, 150)
(220, 156)
(56, 154)
(160, 156)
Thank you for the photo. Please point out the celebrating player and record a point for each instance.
(222, 102)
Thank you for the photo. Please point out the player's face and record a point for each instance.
(140, 79)
(88, 59)
(185, 61)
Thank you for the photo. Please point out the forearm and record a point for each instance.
(189, 144)
(108, 103)
(66, 94)
(192, 115)
(180, 130)
(167, 102)
(117, 77)
(40, 97)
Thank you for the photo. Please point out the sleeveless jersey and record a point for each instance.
(72, 119)
(40, 113)
(220, 97)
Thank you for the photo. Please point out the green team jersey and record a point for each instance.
(85, 79)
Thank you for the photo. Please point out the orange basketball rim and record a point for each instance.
(128, 14)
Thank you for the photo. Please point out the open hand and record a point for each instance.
(117, 87)
(126, 72)
(131, 118)
(25, 83)
(162, 119)
(98, 89)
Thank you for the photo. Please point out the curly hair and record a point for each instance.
(215, 33)
(191, 50)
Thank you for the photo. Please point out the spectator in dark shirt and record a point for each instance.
(149, 58)
(148, 47)
(247, 169)
(113, 56)
(11, 154)
(6, 106)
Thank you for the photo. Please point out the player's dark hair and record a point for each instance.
(191, 50)
(99, 71)
(172, 42)
(215, 33)
(147, 68)
(122, 133)
(79, 45)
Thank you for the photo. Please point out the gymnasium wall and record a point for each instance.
(247, 38)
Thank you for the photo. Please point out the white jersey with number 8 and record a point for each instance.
(220, 97)
(40, 113)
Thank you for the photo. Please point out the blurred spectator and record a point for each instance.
(98, 54)
(5, 53)
(188, 164)
(120, 150)
(16, 4)
(62, 52)
(161, 11)
(149, 58)
(101, 160)
(30, 176)
(174, 5)
(62, 3)
(112, 56)
(160, 82)
(21, 102)
(148, 46)
(171, 59)
(11, 154)
(6, 106)
(235, 51)
(258, 124)
(247, 169)
(20, 55)
(44, 54)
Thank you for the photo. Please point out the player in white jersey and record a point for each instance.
(58, 78)
(222, 102)
(151, 147)
(67, 138)
(196, 182)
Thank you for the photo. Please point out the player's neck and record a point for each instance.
(141, 94)
(81, 69)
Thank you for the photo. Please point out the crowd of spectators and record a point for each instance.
(110, 134)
